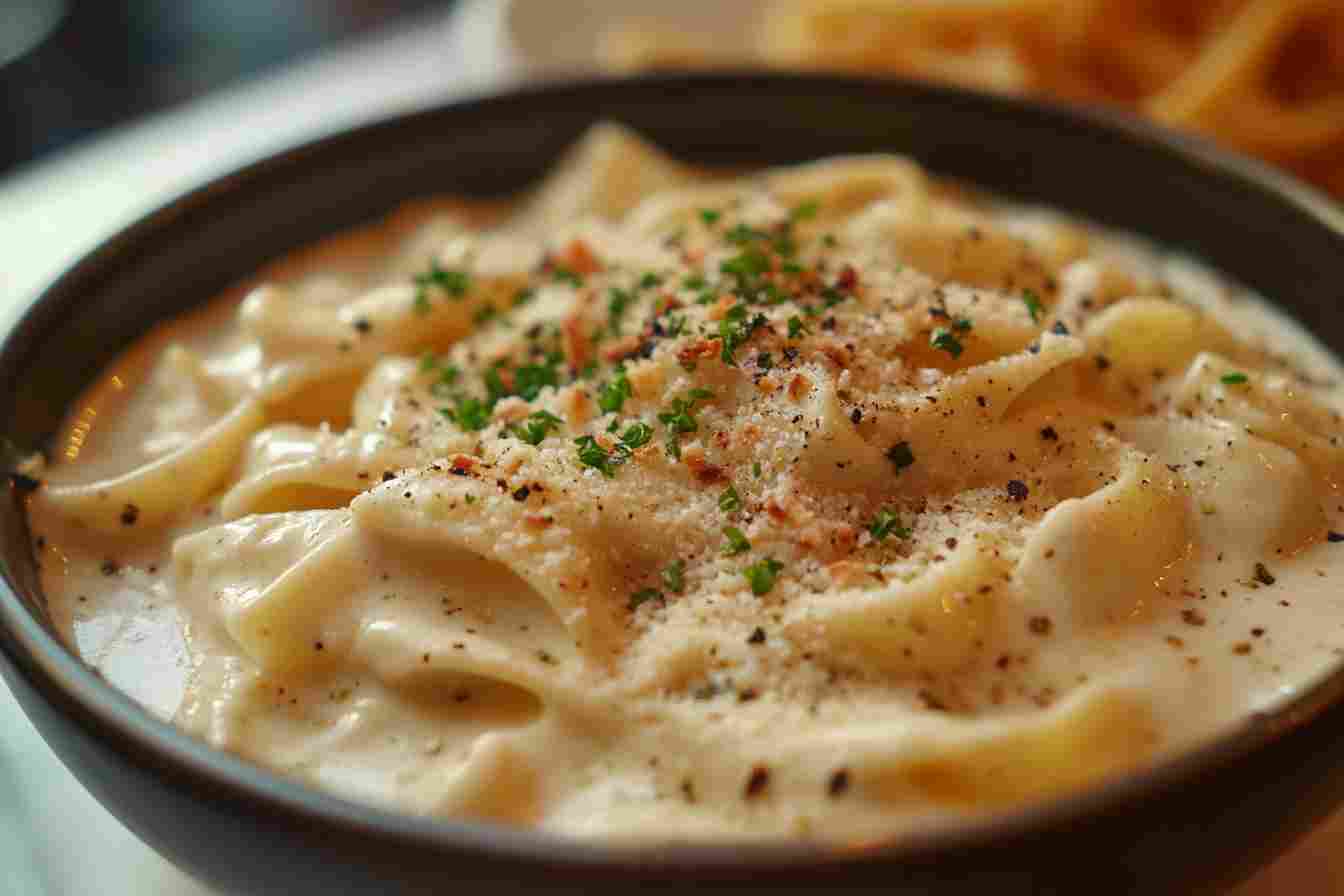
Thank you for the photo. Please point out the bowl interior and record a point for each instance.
(1271, 234)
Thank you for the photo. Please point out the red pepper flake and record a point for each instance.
(1017, 490)
(705, 472)
(757, 783)
(462, 465)
(848, 279)
(704, 348)
(580, 259)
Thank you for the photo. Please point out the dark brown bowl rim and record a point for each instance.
(63, 678)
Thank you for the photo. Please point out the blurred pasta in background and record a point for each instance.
(1262, 76)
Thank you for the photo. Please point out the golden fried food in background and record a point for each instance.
(1262, 76)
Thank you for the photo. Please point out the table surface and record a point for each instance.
(52, 212)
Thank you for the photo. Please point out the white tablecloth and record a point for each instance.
(52, 212)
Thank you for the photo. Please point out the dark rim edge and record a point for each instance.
(50, 666)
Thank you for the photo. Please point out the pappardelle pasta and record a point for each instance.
(825, 502)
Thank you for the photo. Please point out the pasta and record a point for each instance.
(825, 502)
(1263, 76)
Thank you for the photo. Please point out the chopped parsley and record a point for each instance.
(530, 379)
(756, 469)
(832, 296)
(470, 414)
(619, 301)
(592, 454)
(730, 501)
(796, 327)
(538, 425)
(746, 266)
(737, 542)
(900, 455)
(963, 325)
(455, 283)
(674, 576)
(887, 523)
(484, 314)
(762, 574)
(523, 296)
(643, 596)
(694, 281)
(805, 211)
(681, 417)
(1233, 379)
(735, 329)
(565, 275)
(637, 434)
(612, 395)
(1033, 303)
(944, 339)
(650, 280)
(710, 216)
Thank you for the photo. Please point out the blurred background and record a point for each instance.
(70, 68)
(111, 107)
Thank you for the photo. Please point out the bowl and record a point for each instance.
(1194, 824)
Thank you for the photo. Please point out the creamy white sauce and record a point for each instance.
(466, 644)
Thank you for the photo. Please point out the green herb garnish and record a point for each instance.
(592, 454)
(887, 523)
(637, 434)
(710, 216)
(643, 596)
(1033, 303)
(619, 301)
(900, 455)
(538, 425)
(455, 283)
(730, 501)
(1233, 379)
(796, 327)
(737, 542)
(735, 329)
(612, 395)
(565, 275)
(470, 414)
(805, 210)
(943, 339)
(674, 576)
(762, 575)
